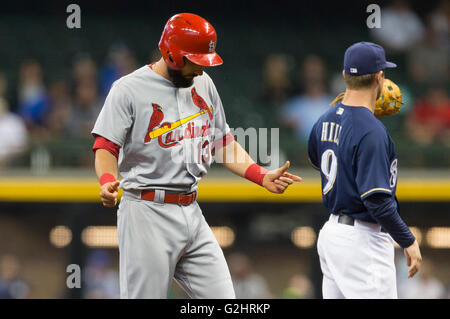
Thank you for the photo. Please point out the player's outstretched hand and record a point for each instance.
(413, 259)
(109, 192)
(278, 180)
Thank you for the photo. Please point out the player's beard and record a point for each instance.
(178, 79)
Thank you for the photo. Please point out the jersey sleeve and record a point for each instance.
(372, 164)
(384, 209)
(116, 116)
(312, 148)
(103, 143)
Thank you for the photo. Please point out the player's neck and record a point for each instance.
(160, 68)
(365, 98)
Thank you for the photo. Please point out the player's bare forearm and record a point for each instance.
(105, 163)
(235, 158)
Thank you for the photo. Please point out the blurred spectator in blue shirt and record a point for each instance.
(121, 61)
(401, 28)
(12, 284)
(302, 111)
(33, 104)
(101, 281)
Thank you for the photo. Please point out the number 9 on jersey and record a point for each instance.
(329, 169)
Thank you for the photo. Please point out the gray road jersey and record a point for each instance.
(166, 134)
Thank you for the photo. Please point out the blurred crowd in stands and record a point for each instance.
(100, 280)
(64, 109)
(36, 113)
(425, 45)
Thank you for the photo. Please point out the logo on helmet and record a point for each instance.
(212, 46)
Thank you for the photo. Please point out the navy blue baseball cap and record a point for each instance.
(365, 58)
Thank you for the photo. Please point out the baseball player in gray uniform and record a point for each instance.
(159, 128)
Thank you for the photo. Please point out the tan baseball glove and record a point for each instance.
(389, 102)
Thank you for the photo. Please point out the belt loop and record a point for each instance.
(159, 196)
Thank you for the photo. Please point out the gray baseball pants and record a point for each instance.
(160, 241)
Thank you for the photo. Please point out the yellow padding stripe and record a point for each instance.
(210, 190)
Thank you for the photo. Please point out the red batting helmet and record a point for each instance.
(189, 35)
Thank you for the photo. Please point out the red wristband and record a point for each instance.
(107, 178)
(255, 173)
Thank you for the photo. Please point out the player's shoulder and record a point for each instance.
(365, 124)
(204, 79)
(206, 76)
(363, 119)
(331, 111)
(327, 116)
(205, 83)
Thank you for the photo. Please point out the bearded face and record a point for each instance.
(185, 77)
(178, 79)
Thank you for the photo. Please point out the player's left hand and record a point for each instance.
(276, 181)
(413, 258)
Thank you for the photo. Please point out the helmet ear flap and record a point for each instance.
(173, 61)
(169, 56)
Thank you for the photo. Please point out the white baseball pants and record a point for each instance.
(357, 261)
